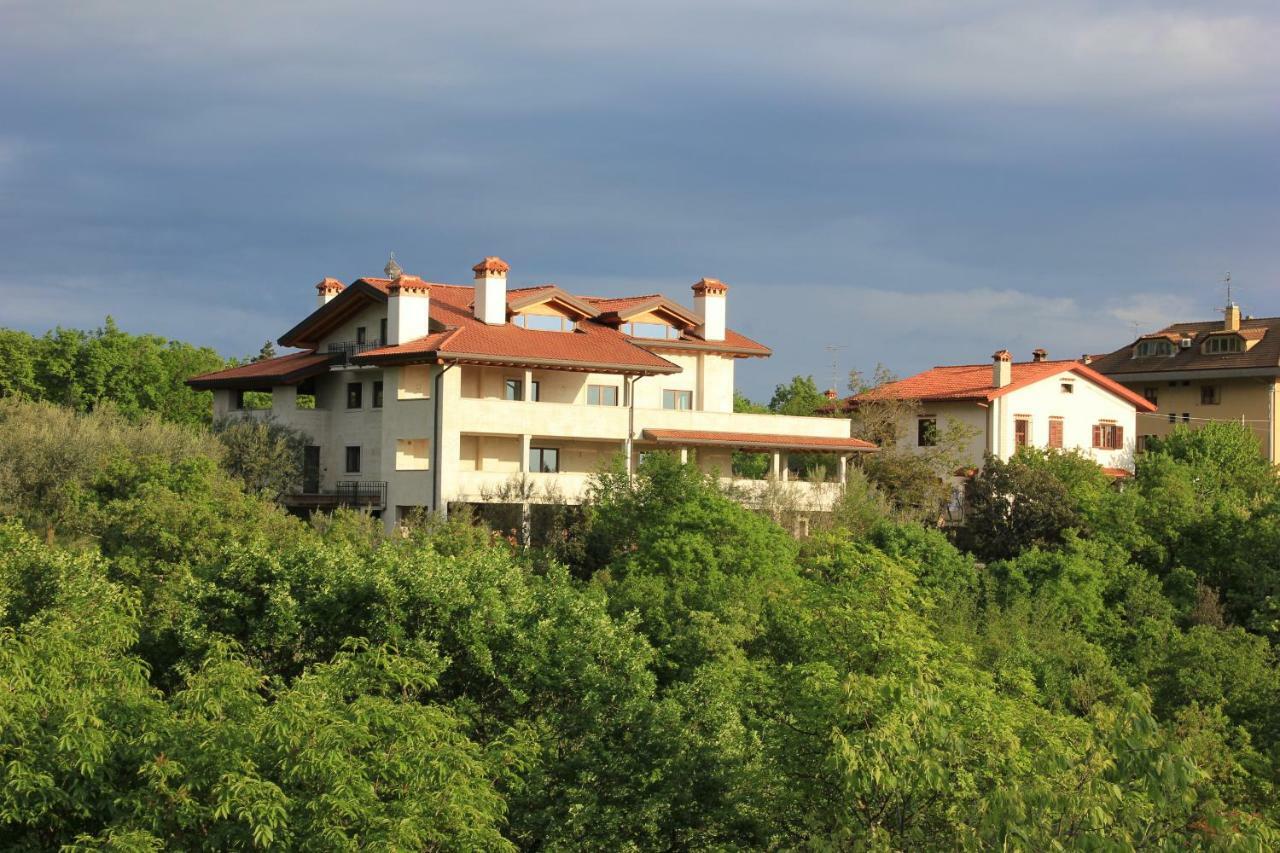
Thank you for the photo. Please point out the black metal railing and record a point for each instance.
(342, 352)
(361, 493)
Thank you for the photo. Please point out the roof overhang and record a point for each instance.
(566, 301)
(437, 357)
(304, 368)
(656, 344)
(1197, 373)
(758, 441)
(329, 316)
(657, 305)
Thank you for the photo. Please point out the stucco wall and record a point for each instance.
(1250, 398)
(1087, 405)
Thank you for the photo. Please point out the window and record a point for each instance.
(355, 395)
(535, 390)
(353, 460)
(382, 331)
(544, 460)
(1152, 394)
(514, 390)
(1147, 349)
(1108, 436)
(677, 400)
(1022, 431)
(650, 330)
(1140, 444)
(361, 334)
(1186, 417)
(1209, 395)
(1224, 343)
(411, 454)
(377, 394)
(1055, 432)
(1068, 387)
(927, 431)
(544, 322)
(602, 395)
(1173, 417)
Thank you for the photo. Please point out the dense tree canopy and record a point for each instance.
(187, 666)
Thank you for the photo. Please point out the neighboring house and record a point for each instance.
(1215, 370)
(428, 394)
(1007, 405)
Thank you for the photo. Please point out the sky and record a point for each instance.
(912, 183)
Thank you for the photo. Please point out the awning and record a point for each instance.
(261, 375)
(758, 441)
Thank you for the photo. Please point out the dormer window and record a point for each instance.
(1223, 344)
(543, 322)
(1155, 347)
(662, 331)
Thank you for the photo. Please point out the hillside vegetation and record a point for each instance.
(186, 666)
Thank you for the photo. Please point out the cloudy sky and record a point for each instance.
(919, 182)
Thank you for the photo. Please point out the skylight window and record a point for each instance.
(544, 322)
(1159, 346)
(661, 331)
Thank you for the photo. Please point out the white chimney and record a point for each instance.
(1001, 369)
(326, 290)
(408, 309)
(709, 305)
(491, 291)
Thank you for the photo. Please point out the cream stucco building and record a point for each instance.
(419, 394)
(1006, 405)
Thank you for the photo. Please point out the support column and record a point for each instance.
(786, 470)
(684, 456)
(842, 469)
(528, 385)
(777, 465)
(525, 441)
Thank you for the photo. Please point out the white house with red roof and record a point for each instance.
(1007, 405)
(419, 394)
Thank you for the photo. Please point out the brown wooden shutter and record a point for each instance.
(1097, 435)
(1119, 438)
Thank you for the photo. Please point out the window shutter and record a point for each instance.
(1097, 435)
(1119, 437)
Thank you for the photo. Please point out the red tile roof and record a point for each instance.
(975, 382)
(284, 370)
(757, 441)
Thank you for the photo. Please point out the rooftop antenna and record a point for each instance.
(1226, 281)
(834, 350)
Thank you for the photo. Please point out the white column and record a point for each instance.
(777, 465)
(786, 470)
(842, 469)
(525, 441)
(684, 456)
(528, 385)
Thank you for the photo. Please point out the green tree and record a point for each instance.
(263, 453)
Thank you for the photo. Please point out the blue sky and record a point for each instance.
(919, 182)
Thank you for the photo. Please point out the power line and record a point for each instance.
(1180, 419)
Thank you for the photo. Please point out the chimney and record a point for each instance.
(1001, 369)
(709, 305)
(1231, 317)
(408, 309)
(1040, 354)
(326, 290)
(830, 394)
(1086, 359)
(491, 291)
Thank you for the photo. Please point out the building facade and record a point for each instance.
(421, 395)
(1006, 405)
(1201, 372)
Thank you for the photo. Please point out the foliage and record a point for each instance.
(1013, 506)
(263, 453)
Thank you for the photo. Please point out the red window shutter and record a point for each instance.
(1119, 438)
(1097, 435)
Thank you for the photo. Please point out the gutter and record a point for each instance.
(435, 450)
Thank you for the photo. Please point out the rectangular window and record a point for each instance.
(544, 460)
(1140, 443)
(1173, 417)
(1068, 387)
(544, 322)
(1209, 395)
(1055, 432)
(361, 334)
(1224, 343)
(1186, 417)
(415, 383)
(377, 394)
(513, 390)
(650, 330)
(382, 331)
(411, 454)
(1152, 395)
(927, 431)
(535, 390)
(682, 400)
(1108, 436)
(1022, 432)
(602, 395)
(353, 460)
(355, 395)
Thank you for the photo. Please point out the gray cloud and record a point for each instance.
(920, 181)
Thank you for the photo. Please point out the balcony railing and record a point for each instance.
(366, 494)
(342, 352)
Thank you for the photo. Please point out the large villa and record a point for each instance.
(421, 395)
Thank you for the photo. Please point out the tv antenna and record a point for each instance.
(1226, 282)
(834, 350)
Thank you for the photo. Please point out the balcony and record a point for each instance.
(341, 353)
(363, 494)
